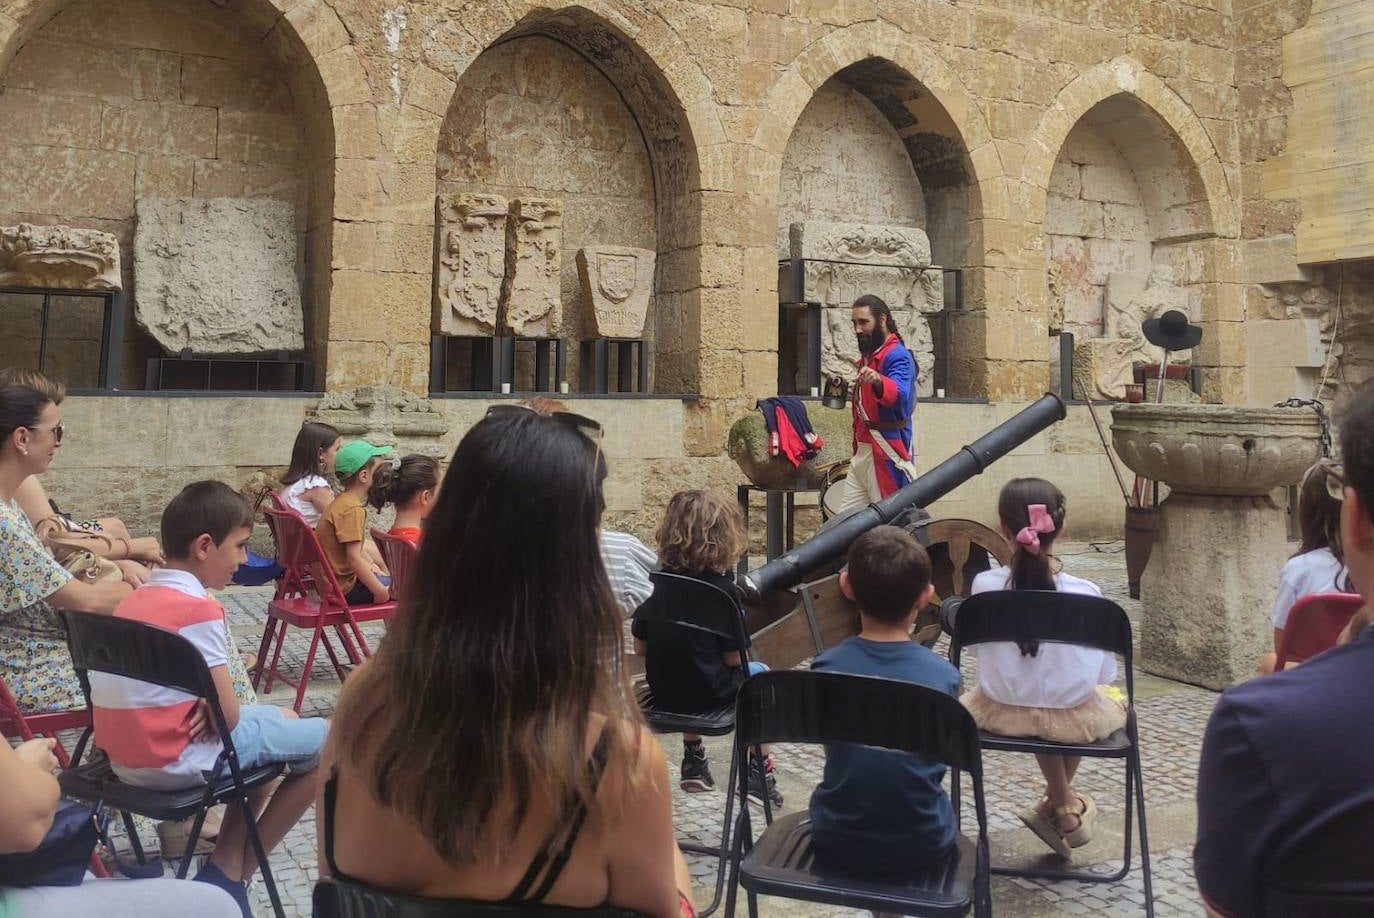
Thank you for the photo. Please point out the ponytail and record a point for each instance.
(400, 480)
(1032, 510)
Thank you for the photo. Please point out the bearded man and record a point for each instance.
(882, 399)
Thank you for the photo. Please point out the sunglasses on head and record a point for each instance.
(1334, 474)
(583, 425)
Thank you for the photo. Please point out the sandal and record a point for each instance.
(1045, 830)
(1082, 833)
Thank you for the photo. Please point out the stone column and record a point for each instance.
(1209, 588)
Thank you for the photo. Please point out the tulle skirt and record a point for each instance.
(1093, 720)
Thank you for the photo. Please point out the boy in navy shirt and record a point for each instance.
(879, 812)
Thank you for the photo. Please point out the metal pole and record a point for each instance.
(827, 546)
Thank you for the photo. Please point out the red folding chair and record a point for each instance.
(399, 555)
(277, 503)
(309, 597)
(1314, 623)
(15, 723)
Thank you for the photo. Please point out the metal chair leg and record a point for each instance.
(194, 836)
(1144, 836)
(256, 841)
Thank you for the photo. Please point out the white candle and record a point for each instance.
(939, 393)
(815, 392)
(563, 386)
(505, 388)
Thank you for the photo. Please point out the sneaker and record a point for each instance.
(763, 783)
(696, 773)
(237, 889)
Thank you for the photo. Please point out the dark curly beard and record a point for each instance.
(870, 342)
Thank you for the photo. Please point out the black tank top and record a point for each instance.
(547, 864)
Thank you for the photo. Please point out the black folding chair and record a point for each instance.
(1049, 616)
(695, 604)
(819, 707)
(132, 649)
(340, 899)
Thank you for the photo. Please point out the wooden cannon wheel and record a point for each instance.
(959, 551)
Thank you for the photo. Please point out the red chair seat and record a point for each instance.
(309, 597)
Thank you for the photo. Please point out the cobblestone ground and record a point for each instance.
(1172, 717)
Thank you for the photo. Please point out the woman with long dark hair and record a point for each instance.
(490, 750)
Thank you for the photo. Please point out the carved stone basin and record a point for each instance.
(1217, 449)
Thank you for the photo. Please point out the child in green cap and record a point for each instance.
(343, 525)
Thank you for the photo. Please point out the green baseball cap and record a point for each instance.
(353, 456)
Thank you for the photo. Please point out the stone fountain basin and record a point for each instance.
(1217, 449)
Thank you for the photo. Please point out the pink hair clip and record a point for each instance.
(1040, 521)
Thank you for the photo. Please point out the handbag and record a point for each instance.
(61, 857)
(88, 567)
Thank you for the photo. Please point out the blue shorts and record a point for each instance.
(265, 736)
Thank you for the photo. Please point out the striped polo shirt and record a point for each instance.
(141, 726)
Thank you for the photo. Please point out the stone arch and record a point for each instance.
(1126, 77)
(950, 151)
(669, 99)
(323, 74)
(1137, 216)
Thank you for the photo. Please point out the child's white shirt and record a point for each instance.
(1058, 676)
(294, 497)
(1315, 571)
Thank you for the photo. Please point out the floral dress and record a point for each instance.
(34, 662)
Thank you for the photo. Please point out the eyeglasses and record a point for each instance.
(1334, 474)
(583, 425)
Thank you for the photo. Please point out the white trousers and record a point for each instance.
(859, 488)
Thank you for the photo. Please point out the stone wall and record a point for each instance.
(102, 470)
(533, 118)
(157, 98)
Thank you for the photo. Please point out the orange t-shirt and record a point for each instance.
(344, 521)
(410, 533)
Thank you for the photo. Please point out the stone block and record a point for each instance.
(1126, 222)
(262, 137)
(531, 302)
(164, 176)
(222, 179)
(232, 85)
(58, 257)
(226, 422)
(168, 128)
(1285, 343)
(378, 306)
(51, 120)
(1273, 260)
(50, 66)
(1066, 180)
(617, 282)
(52, 180)
(218, 275)
(471, 263)
(1074, 217)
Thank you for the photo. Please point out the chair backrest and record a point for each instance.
(1047, 616)
(123, 647)
(693, 603)
(795, 706)
(1314, 623)
(399, 555)
(307, 570)
(335, 898)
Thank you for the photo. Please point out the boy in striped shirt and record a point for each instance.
(162, 738)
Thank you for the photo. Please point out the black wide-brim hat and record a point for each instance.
(1172, 331)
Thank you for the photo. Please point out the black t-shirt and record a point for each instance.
(1286, 784)
(686, 667)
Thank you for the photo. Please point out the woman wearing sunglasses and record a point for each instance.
(34, 662)
(490, 750)
(1318, 566)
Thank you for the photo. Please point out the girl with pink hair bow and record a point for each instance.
(1056, 692)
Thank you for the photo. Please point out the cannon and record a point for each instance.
(794, 603)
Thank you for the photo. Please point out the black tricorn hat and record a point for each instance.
(1172, 331)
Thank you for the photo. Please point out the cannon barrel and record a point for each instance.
(788, 570)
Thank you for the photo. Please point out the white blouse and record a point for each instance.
(1058, 676)
(294, 497)
(1315, 571)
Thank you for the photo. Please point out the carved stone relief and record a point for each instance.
(1103, 366)
(386, 416)
(896, 268)
(472, 263)
(531, 297)
(616, 284)
(59, 257)
(218, 275)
